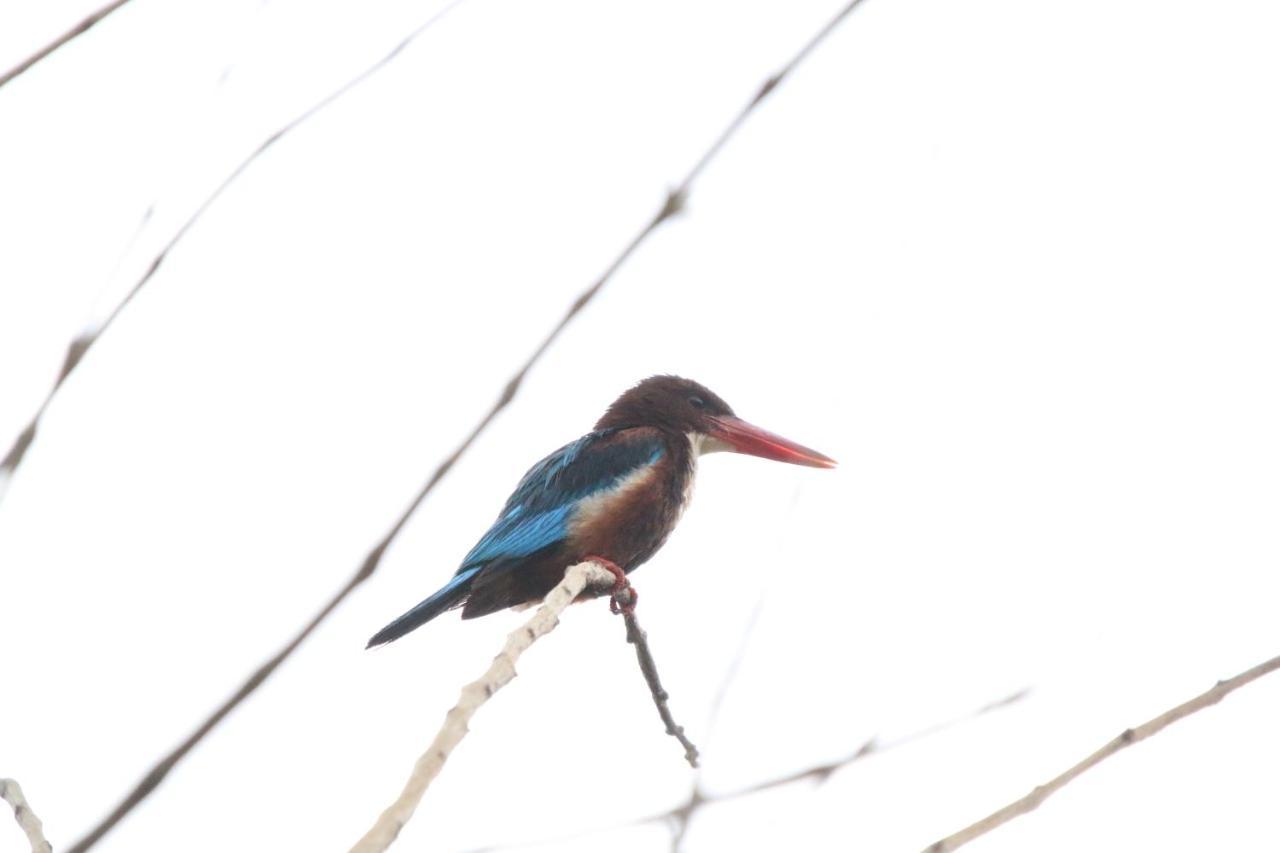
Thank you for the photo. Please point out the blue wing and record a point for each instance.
(538, 513)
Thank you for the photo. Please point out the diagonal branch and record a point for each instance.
(79, 29)
(11, 793)
(1126, 738)
(821, 772)
(77, 349)
(674, 202)
(454, 729)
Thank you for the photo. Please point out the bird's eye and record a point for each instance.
(697, 402)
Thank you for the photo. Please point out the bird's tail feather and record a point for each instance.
(448, 596)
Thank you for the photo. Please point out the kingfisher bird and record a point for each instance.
(613, 495)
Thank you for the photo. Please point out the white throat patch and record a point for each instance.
(699, 443)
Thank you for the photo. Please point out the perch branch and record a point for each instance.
(475, 694)
(674, 202)
(11, 793)
(1126, 738)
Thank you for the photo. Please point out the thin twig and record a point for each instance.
(624, 602)
(822, 772)
(475, 694)
(83, 342)
(1126, 738)
(682, 814)
(11, 793)
(675, 200)
(79, 29)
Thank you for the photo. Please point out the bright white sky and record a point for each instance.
(1014, 264)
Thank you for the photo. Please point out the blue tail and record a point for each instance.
(448, 596)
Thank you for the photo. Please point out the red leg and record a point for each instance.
(617, 604)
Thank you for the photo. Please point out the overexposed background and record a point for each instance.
(1013, 264)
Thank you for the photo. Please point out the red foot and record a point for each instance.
(621, 586)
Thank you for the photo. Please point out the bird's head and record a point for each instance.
(682, 405)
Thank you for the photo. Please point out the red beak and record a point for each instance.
(743, 437)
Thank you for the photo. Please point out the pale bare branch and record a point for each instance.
(475, 694)
(1126, 738)
(11, 793)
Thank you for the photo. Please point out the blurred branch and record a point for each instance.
(821, 772)
(1126, 738)
(680, 825)
(79, 29)
(500, 672)
(11, 793)
(680, 816)
(77, 349)
(674, 202)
